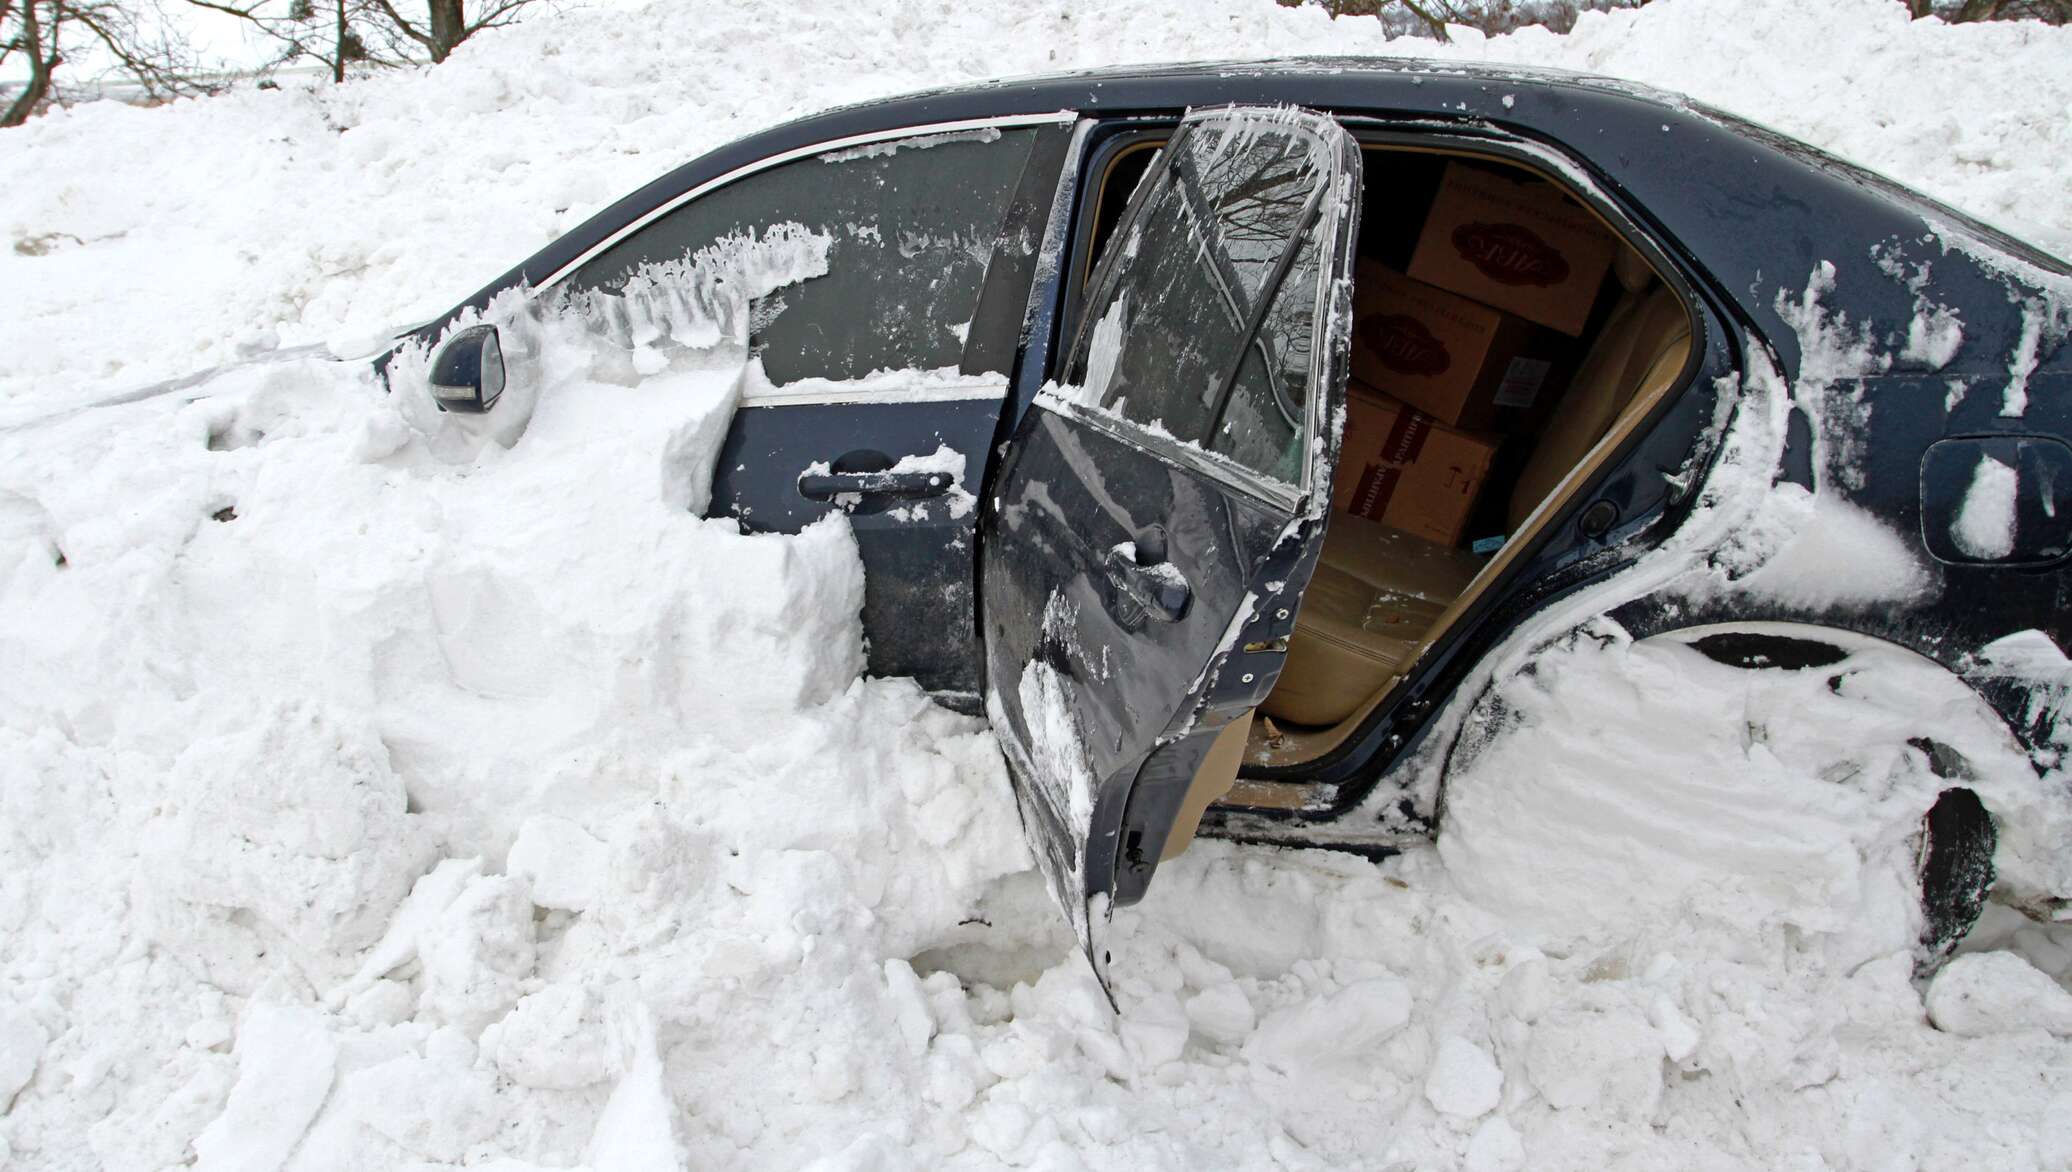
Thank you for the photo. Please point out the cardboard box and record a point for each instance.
(1456, 360)
(1403, 468)
(1521, 245)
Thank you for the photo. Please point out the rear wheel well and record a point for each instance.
(1959, 833)
(1792, 646)
(1757, 650)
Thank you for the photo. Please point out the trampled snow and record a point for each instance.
(373, 794)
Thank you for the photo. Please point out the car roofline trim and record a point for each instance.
(1056, 117)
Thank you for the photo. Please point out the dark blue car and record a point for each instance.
(1131, 384)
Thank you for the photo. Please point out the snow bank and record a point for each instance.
(380, 792)
(277, 655)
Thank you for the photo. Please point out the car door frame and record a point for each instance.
(1559, 556)
(1133, 817)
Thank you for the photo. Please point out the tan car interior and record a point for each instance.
(1380, 595)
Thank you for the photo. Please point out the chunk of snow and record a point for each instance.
(297, 817)
(1222, 1013)
(563, 864)
(1985, 521)
(1607, 1059)
(553, 1039)
(1495, 1147)
(286, 1057)
(637, 1130)
(1834, 553)
(1463, 1081)
(1348, 1022)
(879, 150)
(1985, 993)
(21, 1047)
(1933, 336)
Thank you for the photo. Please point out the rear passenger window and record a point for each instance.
(934, 242)
(1207, 338)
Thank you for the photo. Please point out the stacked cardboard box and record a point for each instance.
(1405, 469)
(1452, 358)
(1518, 244)
(1503, 277)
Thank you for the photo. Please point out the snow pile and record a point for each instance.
(403, 796)
(375, 794)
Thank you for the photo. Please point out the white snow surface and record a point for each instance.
(1985, 525)
(372, 795)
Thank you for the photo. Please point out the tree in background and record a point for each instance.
(446, 22)
(1430, 18)
(340, 33)
(1961, 11)
(144, 42)
(324, 31)
(41, 36)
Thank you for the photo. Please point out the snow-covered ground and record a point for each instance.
(363, 807)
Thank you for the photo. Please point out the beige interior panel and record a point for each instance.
(1272, 743)
(1211, 781)
(1246, 794)
(1375, 593)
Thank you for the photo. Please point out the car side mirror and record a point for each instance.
(468, 373)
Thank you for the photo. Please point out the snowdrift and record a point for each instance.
(365, 803)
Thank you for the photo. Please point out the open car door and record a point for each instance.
(1161, 506)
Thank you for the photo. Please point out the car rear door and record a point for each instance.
(877, 385)
(1162, 504)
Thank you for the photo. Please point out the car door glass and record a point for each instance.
(1263, 425)
(916, 225)
(1188, 345)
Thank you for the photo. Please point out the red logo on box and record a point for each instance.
(1405, 345)
(1510, 254)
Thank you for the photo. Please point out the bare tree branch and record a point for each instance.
(500, 14)
(162, 65)
(402, 24)
(134, 38)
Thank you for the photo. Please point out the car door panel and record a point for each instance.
(918, 548)
(1124, 561)
(1076, 497)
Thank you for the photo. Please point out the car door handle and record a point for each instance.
(1159, 587)
(826, 486)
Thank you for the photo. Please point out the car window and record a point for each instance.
(1172, 342)
(1262, 427)
(930, 260)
